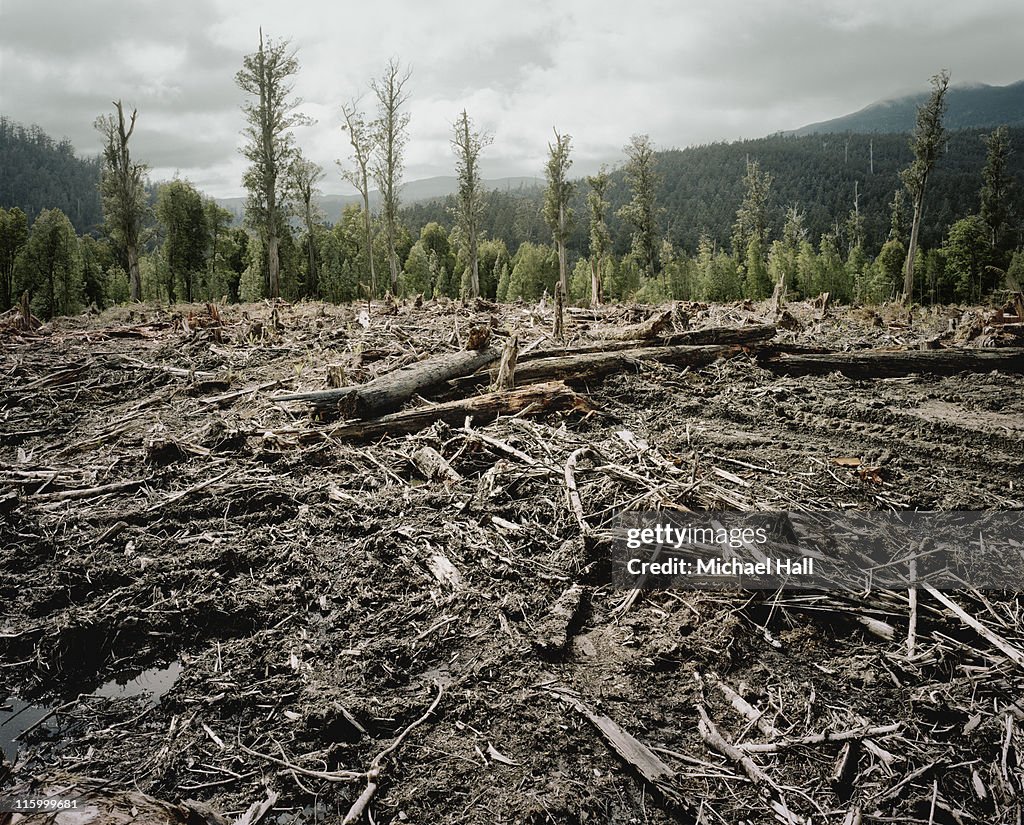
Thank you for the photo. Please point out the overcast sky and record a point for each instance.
(683, 72)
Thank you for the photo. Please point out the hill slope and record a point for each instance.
(40, 173)
(970, 107)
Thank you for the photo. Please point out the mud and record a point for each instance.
(308, 599)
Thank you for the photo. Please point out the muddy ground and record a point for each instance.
(297, 602)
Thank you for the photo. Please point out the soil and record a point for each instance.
(311, 597)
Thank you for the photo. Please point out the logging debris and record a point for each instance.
(426, 568)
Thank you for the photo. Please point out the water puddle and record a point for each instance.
(17, 716)
(156, 682)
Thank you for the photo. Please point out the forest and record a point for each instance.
(830, 210)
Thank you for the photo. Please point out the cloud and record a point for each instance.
(683, 73)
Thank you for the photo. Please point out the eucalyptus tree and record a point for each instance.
(122, 190)
(468, 143)
(600, 237)
(926, 142)
(270, 115)
(361, 136)
(641, 211)
(559, 192)
(304, 177)
(391, 133)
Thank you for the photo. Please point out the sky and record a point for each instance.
(685, 73)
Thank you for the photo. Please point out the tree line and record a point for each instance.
(616, 235)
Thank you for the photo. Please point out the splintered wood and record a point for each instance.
(375, 544)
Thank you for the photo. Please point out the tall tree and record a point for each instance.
(122, 191)
(600, 237)
(179, 208)
(467, 143)
(641, 211)
(752, 216)
(13, 237)
(361, 135)
(391, 130)
(926, 142)
(556, 201)
(266, 74)
(897, 217)
(304, 177)
(996, 185)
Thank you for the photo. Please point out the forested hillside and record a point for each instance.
(701, 187)
(38, 172)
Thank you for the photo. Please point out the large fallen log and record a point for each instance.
(894, 364)
(391, 390)
(594, 364)
(547, 397)
(748, 336)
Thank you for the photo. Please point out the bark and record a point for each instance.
(746, 336)
(134, 275)
(887, 364)
(546, 397)
(915, 230)
(650, 328)
(590, 365)
(390, 391)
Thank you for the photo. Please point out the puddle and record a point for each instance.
(156, 682)
(17, 716)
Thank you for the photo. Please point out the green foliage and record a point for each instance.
(115, 286)
(417, 274)
(756, 281)
(752, 217)
(49, 266)
(97, 258)
(641, 213)
(13, 237)
(467, 144)
(266, 75)
(717, 274)
(182, 217)
(534, 272)
(41, 173)
(997, 188)
(884, 278)
(968, 253)
(125, 205)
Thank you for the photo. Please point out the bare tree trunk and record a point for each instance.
(273, 264)
(368, 226)
(559, 306)
(134, 276)
(393, 261)
(915, 229)
(563, 275)
(474, 282)
(595, 283)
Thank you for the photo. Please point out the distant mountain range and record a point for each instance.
(970, 106)
(414, 191)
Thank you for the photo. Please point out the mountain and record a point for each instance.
(970, 106)
(414, 191)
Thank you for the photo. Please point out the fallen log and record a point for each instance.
(391, 390)
(645, 330)
(747, 336)
(578, 366)
(893, 364)
(547, 397)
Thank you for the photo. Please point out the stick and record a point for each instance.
(993, 638)
(373, 774)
